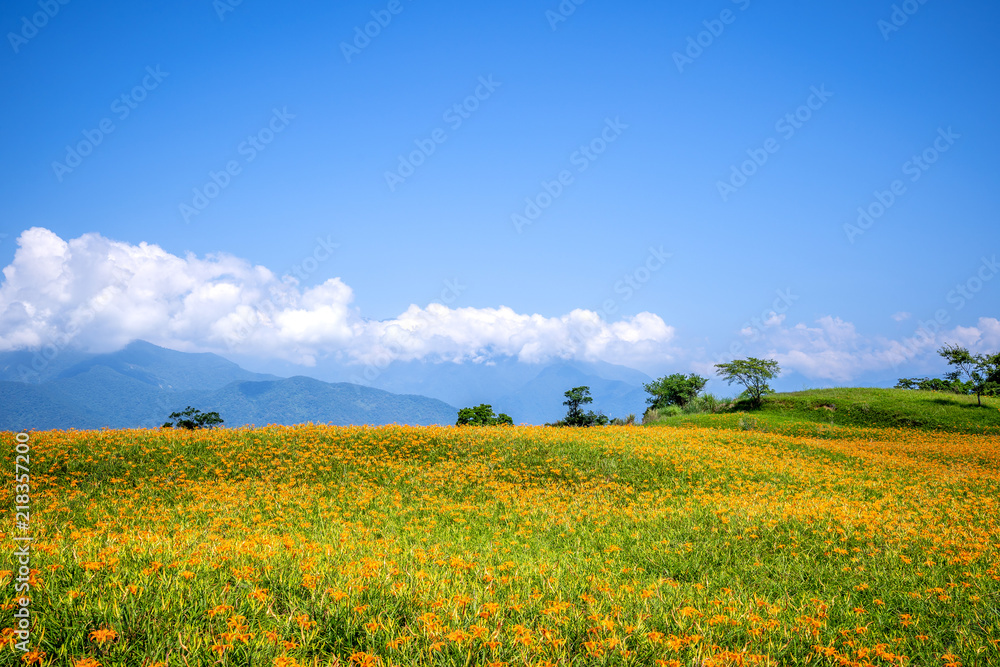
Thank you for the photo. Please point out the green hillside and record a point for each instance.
(807, 411)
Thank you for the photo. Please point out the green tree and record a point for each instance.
(951, 382)
(982, 370)
(575, 416)
(481, 415)
(192, 418)
(677, 389)
(752, 373)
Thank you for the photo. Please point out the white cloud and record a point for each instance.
(832, 349)
(901, 316)
(99, 294)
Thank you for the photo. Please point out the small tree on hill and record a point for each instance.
(752, 373)
(481, 415)
(677, 389)
(575, 416)
(192, 418)
(982, 370)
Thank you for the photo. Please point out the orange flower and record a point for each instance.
(362, 659)
(35, 657)
(221, 648)
(103, 635)
(220, 609)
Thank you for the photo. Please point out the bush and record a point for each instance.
(482, 415)
(575, 416)
(192, 418)
(676, 389)
(705, 403)
(628, 421)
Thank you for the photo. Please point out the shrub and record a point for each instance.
(676, 389)
(575, 416)
(704, 403)
(192, 418)
(628, 421)
(482, 415)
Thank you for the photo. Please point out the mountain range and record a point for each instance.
(141, 384)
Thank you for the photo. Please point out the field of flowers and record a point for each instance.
(361, 546)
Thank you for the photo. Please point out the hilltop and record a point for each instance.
(804, 411)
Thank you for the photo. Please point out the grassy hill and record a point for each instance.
(808, 411)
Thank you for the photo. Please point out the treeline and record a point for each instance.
(977, 374)
(669, 395)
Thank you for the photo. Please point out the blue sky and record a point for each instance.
(643, 108)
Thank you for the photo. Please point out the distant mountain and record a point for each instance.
(140, 385)
(35, 366)
(529, 393)
(167, 369)
(541, 400)
(300, 399)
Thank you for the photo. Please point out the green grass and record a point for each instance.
(807, 412)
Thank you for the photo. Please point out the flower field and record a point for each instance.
(361, 546)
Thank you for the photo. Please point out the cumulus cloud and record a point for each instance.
(98, 294)
(832, 349)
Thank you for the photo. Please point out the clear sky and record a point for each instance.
(632, 182)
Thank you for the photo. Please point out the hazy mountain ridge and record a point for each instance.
(141, 384)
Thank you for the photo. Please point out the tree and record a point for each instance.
(481, 415)
(752, 373)
(575, 416)
(677, 389)
(982, 370)
(192, 418)
(950, 383)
